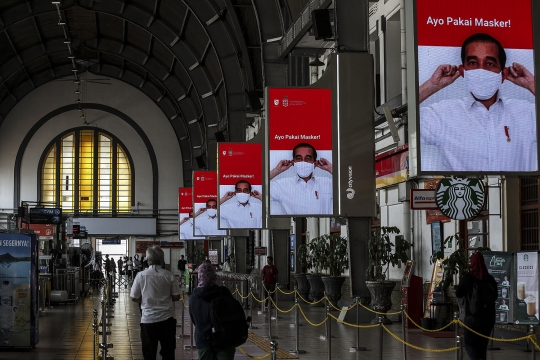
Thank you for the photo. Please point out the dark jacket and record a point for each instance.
(465, 287)
(199, 311)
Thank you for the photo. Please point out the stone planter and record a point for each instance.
(302, 285)
(316, 291)
(381, 298)
(332, 286)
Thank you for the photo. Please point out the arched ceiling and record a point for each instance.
(197, 59)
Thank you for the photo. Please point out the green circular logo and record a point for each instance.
(460, 198)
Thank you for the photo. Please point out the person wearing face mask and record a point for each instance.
(206, 221)
(241, 209)
(483, 131)
(302, 192)
(186, 227)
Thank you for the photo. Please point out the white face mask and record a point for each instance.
(211, 212)
(242, 197)
(483, 84)
(304, 169)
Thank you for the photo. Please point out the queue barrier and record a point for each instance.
(530, 337)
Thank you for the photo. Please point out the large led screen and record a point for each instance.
(185, 214)
(476, 86)
(205, 204)
(240, 185)
(300, 151)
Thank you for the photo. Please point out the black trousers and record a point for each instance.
(475, 345)
(165, 333)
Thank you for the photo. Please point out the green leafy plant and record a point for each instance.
(457, 263)
(196, 257)
(304, 257)
(330, 253)
(383, 252)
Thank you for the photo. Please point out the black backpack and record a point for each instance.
(481, 298)
(229, 322)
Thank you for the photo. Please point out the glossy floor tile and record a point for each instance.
(66, 333)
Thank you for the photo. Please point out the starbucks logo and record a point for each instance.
(460, 198)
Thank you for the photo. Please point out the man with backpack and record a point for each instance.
(219, 319)
(480, 291)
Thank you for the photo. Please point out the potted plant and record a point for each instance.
(383, 253)
(300, 276)
(316, 262)
(334, 249)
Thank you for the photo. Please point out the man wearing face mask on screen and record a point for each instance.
(483, 131)
(302, 193)
(206, 222)
(241, 209)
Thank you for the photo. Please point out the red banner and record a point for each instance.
(44, 231)
(449, 23)
(434, 215)
(239, 161)
(204, 186)
(141, 246)
(300, 115)
(185, 200)
(392, 167)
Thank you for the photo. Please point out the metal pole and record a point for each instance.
(380, 337)
(273, 349)
(95, 328)
(403, 321)
(276, 291)
(357, 347)
(183, 314)
(251, 310)
(326, 307)
(328, 333)
(237, 293)
(459, 351)
(532, 333)
(262, 297)
(456, 323)
(269, 319)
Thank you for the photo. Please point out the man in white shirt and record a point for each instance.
(156, 289)
(207, 223)
(186, 227)
(303, 193)
(483, 131)
(241, 209)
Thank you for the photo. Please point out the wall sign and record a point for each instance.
(460, 198)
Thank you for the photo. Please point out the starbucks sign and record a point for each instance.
(460, 198)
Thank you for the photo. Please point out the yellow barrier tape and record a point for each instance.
(536, 346)
(183, 302)
(255, 298)
(269, 292)
(338, 309)
(309, 322)
(492, 338)
(311, 303)
(428, 330)
(379, 313)
(283, 311)
(418, 347)
(286, 293)
(243, 297)
(251, 356)
(353, 325)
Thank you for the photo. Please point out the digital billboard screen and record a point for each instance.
(205, 202)
(240, 185)
(185, 214)
(476, 87)
(300, 151)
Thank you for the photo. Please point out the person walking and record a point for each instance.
(199, 312)
(483, 320)
(181, 266)
(156, 289)
(269, 275)
(107, 265)
(120, 266)
(227, 265)
(129, 265)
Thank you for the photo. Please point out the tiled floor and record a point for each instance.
(66, 334)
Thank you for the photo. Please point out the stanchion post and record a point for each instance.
(357, 347)
(276, 291)
(251, 310)
(95, 328)
(273, 349)
(459, 351)
(237, 293)
(328, 332)
(404, 331)
(269, 319)
(532, 334)
(326, 307)
(456, 323)
(381, 333)
(191, 338)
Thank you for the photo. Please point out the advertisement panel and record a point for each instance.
(499, 265)
(141, 246)
(526, 288)
(205, 204)
(185, 214)
(300, 151)
(240, 186)
(392, 167)
(18, 289)
(476, 87)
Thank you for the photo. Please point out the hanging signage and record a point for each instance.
(499, 265)
(460, 198)
(111, 241)
(392, 167)
(423, 199)
(205, 201)
(526, 288)
(185, 214)
(475, 56)
(240, 186)
(45, 216)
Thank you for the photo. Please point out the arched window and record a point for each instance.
(87, 171)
